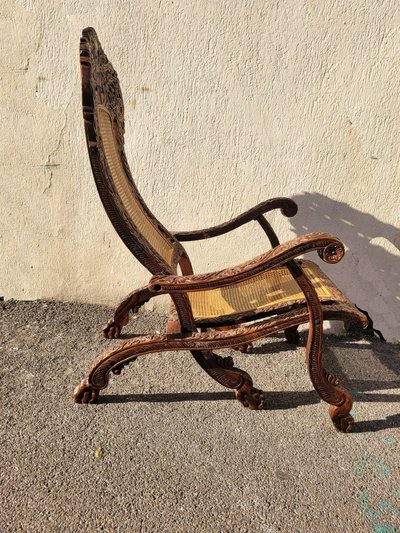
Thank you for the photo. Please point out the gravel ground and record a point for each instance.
(169, 450)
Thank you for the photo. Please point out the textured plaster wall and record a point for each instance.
(227, 103)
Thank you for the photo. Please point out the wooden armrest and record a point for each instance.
(329, 248)
(287, 206)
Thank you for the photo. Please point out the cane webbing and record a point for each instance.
(134, 209)
(269, 289)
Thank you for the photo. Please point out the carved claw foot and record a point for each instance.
(251, 398)
(247, 347)
(85, 393)
(343, 421)
(111, 330)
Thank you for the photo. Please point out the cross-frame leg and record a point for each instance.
(133, 302)
(326, 384)
(220, 368)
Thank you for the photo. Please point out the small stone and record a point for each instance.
(99, 452)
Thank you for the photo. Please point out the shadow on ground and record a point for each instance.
(366, 368)
(168, 449)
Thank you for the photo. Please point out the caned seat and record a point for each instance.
(272, 289)
(231, 308)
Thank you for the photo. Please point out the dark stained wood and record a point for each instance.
(100, 87)
(287, 206)
(331, 249)
(266, 226)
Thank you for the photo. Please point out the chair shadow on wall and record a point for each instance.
(371, 274)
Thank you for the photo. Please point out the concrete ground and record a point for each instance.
(169, 450)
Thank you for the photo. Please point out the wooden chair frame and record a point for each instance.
(101, 90)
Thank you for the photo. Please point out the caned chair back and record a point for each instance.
(103, 112)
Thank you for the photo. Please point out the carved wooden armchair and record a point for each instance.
(274, 291)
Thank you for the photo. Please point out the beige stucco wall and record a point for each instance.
(227, 103)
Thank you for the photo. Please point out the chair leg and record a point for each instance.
(133, 302)
(326, 384)
(292, 335)
(113, 360)
(222, 370)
